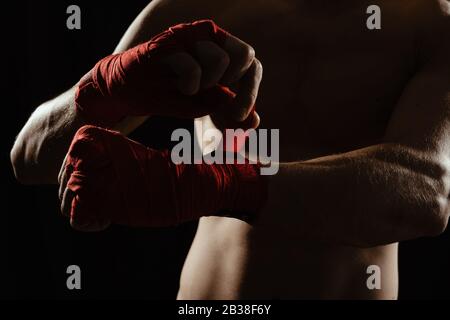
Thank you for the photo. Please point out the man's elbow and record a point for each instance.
(429, 193)
(421, 209)
(434, 218)
(431, 222)
(439, 227)
(436, 221)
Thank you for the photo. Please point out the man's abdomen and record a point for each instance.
(230, 260)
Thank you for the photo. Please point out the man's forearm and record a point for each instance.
(42, 144)
(373, 196)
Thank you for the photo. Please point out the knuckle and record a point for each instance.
(249, 53)
(259, 67)
(245, 55)
(258, 64)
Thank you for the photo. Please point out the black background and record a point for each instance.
(42, 58)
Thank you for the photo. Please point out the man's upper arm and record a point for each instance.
(159, 15)
(421, 119)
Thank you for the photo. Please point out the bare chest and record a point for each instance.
(330, 84)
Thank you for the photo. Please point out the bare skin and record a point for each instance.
(342, 88)
(364, 122)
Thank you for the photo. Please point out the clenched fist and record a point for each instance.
(189, 70)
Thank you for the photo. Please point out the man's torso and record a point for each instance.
(330, 85)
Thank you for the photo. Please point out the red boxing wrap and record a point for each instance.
(124, 182)
(136, 83)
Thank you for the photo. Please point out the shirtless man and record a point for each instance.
(365, 144)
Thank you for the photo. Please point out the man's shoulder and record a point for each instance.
(424, 14)
(432, 25)
(191, 9)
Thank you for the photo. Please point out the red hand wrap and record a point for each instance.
(136, 83)
(122, 181)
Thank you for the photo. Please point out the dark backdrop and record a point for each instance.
(42, 58)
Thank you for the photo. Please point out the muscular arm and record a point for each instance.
(40, 147)
(42, 144)
(385, 193)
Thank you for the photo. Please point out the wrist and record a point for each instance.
(93, 102)
(229, 190)
(247, 191)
